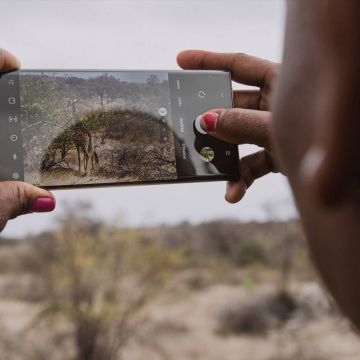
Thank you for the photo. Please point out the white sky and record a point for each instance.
(147, 35)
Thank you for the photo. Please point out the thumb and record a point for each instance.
(238, 126)
(18, 198)
(8, 62)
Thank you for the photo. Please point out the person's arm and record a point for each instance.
(18, 198)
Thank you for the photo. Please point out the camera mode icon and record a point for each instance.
(163, 111)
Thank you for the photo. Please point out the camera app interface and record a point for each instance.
(83, 128)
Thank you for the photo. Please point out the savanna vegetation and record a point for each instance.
(217, 290)
(79, 129)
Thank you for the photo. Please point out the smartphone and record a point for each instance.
(72, 128)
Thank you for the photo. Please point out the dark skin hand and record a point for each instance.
(314, 130)
(250, 121)
(18, 198)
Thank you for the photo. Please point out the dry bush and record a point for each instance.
(99, 281)
(274, 245)
(250, 253)
(256, 316)
(101, 285)
(12, 254)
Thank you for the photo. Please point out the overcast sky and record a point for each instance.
(147, 35)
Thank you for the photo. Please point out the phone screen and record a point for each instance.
(82, 128)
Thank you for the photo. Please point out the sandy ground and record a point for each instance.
(186, 329)
(183, 326)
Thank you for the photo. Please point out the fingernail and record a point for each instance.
(43, 205)
(209, 120)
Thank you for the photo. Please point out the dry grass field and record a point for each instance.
(81, 128)
(211, 291)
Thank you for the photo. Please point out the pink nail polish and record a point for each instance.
(43, 205)
(209, 121)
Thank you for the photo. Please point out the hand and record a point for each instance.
(17, 198)
(250, 121)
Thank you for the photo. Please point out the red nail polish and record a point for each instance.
(210, 120)
(43, 205)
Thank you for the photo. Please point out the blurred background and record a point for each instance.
(159, 272)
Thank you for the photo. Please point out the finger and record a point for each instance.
(17, 198)
(238, 126)
(8, 62)
(235, 191)
(245, 69)
(247, 99)
(252, 167)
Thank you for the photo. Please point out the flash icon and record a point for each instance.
(202, 94)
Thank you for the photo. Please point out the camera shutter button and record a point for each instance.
(198, 126)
